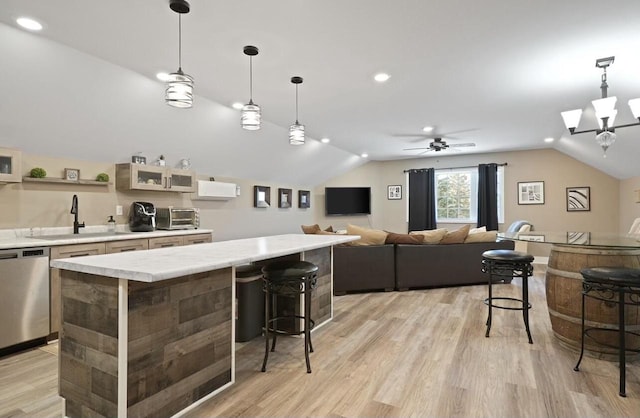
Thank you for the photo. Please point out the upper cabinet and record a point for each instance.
(130, 176)
(10, 163)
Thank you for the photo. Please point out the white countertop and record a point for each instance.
(168, 263)
(18, 240)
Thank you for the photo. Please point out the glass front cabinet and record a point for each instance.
(130, 176)
(10, 162)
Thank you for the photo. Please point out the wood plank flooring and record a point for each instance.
(415, 353)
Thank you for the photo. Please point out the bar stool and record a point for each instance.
(503, 264)
(613, 285)
(289, 279)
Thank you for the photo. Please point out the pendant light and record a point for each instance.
(251, 113)
(179, 86)
(296, 131)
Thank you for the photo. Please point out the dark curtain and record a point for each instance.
(422, 199)
(488, 196)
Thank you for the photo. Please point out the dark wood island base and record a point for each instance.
(177, 348)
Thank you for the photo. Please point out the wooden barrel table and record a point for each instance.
(564, 298)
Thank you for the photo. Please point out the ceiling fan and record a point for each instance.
(439, 144)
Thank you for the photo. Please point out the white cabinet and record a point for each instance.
(214, 190)
(131, 176)
(10, 162)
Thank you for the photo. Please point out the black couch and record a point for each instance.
(404, 266)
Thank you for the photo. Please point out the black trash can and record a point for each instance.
(249, 302)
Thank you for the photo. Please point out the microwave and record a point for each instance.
(177, 218)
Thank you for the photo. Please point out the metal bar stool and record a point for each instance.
(615, 286)
(289, 279)
(501, 264)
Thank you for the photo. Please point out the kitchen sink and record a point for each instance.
(77, 236)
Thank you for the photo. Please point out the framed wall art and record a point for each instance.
(261, 196)
(284, 198)
(578, 199)
(531, 193)
(304, 199)
(394, 192)
(72, 174)
(579, 238)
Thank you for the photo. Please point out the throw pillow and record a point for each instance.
(393, 238)
(430, 236)
(456, 237)
(476, 230)
(367, 236)
(487, 236)
(310, 229)
(321, 232)
(329, 229)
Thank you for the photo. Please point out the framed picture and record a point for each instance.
(533, 238)
(138, 159)
(284, 198)
(531, 193)
(578, 199)
(72, 174)
(579, 238)
(394, 192)
(261, 196)
(304, 199)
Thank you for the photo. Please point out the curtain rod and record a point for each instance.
(452, 168)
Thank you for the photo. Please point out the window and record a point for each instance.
(457, 195)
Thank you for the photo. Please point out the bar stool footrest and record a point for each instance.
(511, 308)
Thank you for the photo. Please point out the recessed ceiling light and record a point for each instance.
(162, 76)
(364, 155)
(548, 140)
(29, 23)
(381, 77)
(237, 105)
(427, 128)
(325, 140)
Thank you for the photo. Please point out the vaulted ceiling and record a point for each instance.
(493, 73)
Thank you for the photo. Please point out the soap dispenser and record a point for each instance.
(111, 224)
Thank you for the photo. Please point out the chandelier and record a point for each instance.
(605, 112)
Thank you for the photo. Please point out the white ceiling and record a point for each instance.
(497, 72)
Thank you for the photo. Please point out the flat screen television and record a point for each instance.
(347, 200)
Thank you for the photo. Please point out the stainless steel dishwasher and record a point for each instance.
(24, 295)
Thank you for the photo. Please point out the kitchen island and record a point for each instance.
(152, 332)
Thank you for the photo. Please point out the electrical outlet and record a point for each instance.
(118, 209)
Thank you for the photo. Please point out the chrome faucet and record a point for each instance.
(74, 209)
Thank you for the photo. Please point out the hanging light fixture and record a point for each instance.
(296, 131)
(605, 112)
(179, 86)
(251, 113)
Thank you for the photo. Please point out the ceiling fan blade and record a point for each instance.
(411, 136)
(459, 131)
(411, 149)
(466, 144)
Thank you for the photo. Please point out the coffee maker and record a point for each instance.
(142, 217)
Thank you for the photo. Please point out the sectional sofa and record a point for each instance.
(408, 266)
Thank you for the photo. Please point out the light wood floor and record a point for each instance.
(416, 353)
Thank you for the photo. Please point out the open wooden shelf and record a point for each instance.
(64, 181)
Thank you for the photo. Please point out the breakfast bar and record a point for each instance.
(151, 333)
